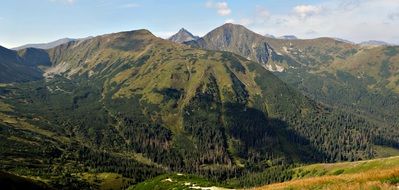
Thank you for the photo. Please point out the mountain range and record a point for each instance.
(234, 107)
(49, 45)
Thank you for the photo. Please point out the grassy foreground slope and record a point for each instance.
(372, 174)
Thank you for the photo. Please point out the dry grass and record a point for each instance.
(365, 180)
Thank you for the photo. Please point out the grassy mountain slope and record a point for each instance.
(134, 105)
(372, 174)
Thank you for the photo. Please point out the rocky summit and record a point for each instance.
(182, 36)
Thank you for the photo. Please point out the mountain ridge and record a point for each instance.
(49, 45)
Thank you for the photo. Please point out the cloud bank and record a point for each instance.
(222, 8)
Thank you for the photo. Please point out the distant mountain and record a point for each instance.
(182, 36)
(270, 36)
(50, 44)
(374, 43)
(45, 45)
(288, 37)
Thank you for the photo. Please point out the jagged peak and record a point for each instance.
(183, 35)
(184, 30)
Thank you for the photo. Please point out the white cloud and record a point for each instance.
(221, 7)
(131, 5)
(355, 20)
(262, 12)
(64, 1)
(305, 11)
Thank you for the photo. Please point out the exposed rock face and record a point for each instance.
(183, 36)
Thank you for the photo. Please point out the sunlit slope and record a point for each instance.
(372, 174)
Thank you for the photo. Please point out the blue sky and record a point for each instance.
(33, 21)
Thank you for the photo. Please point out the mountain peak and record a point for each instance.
(184, 30)
(182, 36)
(229, 28)
(231, 25)
(143, 32)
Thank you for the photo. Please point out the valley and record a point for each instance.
(131, 110)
